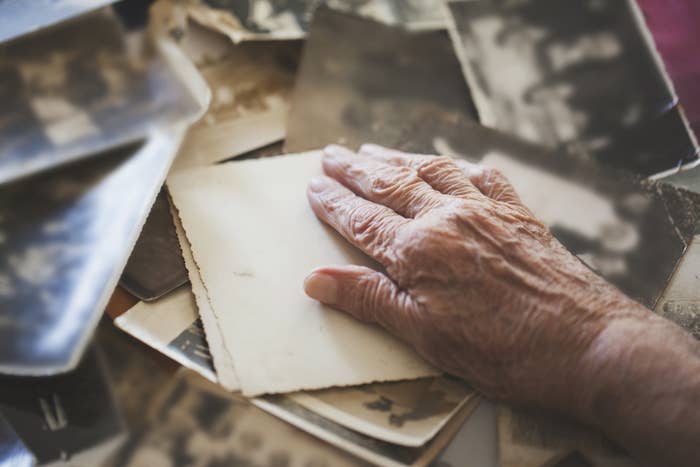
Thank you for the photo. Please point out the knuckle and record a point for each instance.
(435, 165)
(366, 223)
(388, 180)
(495, 176)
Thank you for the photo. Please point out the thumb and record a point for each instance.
(366, 294)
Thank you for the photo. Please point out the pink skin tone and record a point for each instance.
(483, 291)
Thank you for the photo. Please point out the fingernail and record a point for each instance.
(318, 184)
(321, 287)
(334, 150)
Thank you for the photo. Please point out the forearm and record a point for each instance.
(641, 380)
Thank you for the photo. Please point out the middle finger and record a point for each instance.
(399, 188)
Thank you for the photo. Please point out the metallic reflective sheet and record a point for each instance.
(64, 239)
(82, 87)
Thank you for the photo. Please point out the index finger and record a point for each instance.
(440, 172)
(368, 226)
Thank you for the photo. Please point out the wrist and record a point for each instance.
(641, 376)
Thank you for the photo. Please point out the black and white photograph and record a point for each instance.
(69, 418)
(362, 81)
(66, 98)
(580, 75)
(65, 238)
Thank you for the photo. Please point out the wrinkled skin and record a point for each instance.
(473, 280)
(475, 283)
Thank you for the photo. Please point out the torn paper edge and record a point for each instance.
(223, 361)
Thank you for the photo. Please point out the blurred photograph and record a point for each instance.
(588, 79)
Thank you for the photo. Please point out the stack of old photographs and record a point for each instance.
(391, 73)
(89, 129)
(92, 117)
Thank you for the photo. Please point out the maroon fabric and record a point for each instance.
(675, 25)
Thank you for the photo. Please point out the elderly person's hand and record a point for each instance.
(483, 291)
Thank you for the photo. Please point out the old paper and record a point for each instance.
(407, 413)
(365, 447)
(255, 238)
(171, 326)
(223, 363)
(250, 85)
(535, 440)
(274, 19)
(247, 86)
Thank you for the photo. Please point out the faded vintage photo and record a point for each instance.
(250, 86)
(66, 98)
(407, 413)
(361, 81)
(373, 450)
(290, 19)
(579, 75)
